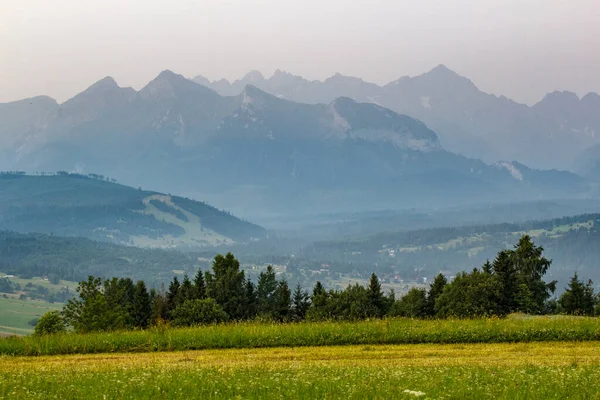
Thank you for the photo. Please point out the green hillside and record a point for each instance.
(97, 208)
(74, 259)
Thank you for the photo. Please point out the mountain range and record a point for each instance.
(257, 153)
(549, 134)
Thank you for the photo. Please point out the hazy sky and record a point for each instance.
(519, 48)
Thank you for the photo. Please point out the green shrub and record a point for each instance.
(50, 323)
(198, 312)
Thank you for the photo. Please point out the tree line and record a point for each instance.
(512, 282)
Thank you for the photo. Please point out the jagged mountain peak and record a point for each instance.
(442, 69)
(253, 76)
(254, 97)
(106, 82)
(338, 77)
(103, 87)
(201, 80)
(280, 72)
(442, 75)
(171, 78)
(169, 84)
(561, 96)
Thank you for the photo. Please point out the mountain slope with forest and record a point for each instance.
(94, 207)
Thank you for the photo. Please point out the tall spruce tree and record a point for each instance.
(199, 285)
(282, 301)
(319, 300)
(267, 285)
(531, 266)
(186, 290)
(226, 284)
(141, 308)
(376, 295)
(505, 273)
(435, 290)
(251, 298)
(578, 298)
(300, 303)
(172, 295)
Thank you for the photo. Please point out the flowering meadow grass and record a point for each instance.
(540, 370)
(256, 335)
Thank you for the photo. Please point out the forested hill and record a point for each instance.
(74, 259)
(98, 208)
(571, 242)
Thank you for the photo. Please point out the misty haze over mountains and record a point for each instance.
(309, 147)
(550, 134)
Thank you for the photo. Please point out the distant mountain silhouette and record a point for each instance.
(467, 120)
(260, 153)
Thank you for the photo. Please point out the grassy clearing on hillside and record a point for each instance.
(15, 314)
(254, 335)
(36, 280)
(515, 371)
(195, 233)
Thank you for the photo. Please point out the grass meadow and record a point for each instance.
(15, 314)
(259, 335)
(540, 370)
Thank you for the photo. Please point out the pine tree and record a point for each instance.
(282, 301)
(251, 300)
(186, 290)
(318, 289)
(506, 277)
(199, 285)
(531, 266)
(300, 303)
(578, 298)
(226, 284)
(267, 285)
(318, 309)
(435, 290)
(376, 295)
(141, 308)
(487, 267)
(173, 294)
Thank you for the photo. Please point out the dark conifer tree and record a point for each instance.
(282, 301)
(267, 285)
(300, 303)
(435, 290)
(141, 308)
(226, 284)
(531, 266)
(508, 286)
(376, 295)
(172, 295)
(251, 298)
(186, 291)
(199, 285)
(578, 298)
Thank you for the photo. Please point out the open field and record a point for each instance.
(15, 314)
(55, 288)
(516, 371)
(255, 335)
